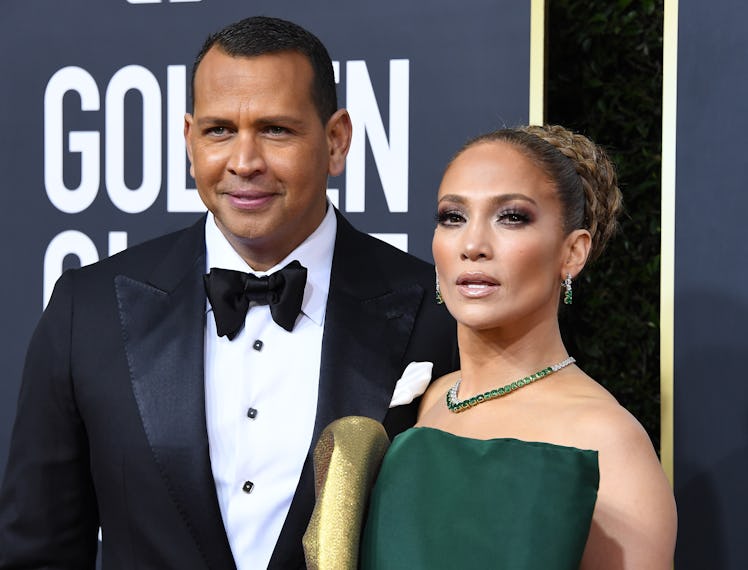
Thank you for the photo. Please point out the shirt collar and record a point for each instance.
(315, 253)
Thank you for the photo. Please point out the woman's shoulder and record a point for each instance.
(635, 512)
(600, 421)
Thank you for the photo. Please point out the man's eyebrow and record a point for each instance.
(262, 122)
(202, 121)
(280, 120)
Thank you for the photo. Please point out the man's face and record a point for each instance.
(259, 152)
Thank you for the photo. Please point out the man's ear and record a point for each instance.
(576, 251)
(188, 125)
(339, 131)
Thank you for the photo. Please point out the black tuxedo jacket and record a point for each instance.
(111, 431)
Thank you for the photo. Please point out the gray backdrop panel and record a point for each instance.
(711, 298)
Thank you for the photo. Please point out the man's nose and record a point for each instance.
(246, 155)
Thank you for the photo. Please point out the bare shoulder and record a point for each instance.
(634, 523)
(604, 424)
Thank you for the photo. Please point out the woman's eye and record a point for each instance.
(513, 217)
(449, 218)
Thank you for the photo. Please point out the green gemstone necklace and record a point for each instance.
(458, 406)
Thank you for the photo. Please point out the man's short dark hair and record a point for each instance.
(260, 35)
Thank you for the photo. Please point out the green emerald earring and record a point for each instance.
(439, 300)
(566, 284)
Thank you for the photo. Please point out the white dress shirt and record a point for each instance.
(261, 398)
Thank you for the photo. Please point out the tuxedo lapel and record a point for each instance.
(357, 376)
(163, 324)
(364, 312)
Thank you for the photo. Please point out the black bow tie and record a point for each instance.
(230, 293)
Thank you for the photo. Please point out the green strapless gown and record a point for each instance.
(445, 501)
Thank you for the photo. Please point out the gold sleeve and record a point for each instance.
(346, 462)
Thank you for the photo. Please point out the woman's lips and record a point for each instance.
(476, 285)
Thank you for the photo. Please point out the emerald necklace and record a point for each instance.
(458, 406)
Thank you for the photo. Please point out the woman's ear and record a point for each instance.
(576, 251)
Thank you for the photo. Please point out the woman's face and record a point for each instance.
(499, 245)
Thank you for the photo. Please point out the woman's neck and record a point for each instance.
(489, 358)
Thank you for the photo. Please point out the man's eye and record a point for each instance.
(217, 131)
(276, 130)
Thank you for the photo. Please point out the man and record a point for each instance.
(185, 437)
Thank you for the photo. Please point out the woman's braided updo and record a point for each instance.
(581, 171)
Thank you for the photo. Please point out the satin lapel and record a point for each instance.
(163, 328)
(357, 375)
(364, 313)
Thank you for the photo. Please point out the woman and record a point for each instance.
(520, 460)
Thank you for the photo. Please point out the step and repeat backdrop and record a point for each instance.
(93, 95)
(706, 269)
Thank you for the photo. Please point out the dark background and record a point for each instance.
(604, 79)
(711, 299)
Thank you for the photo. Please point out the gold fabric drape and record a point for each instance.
(346, 461)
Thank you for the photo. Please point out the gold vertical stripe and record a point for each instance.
(667, 254)
(537, 61)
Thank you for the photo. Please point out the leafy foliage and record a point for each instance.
(604, 79)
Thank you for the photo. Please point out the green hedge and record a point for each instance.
(604, 79)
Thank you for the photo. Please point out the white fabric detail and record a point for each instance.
(413, 383)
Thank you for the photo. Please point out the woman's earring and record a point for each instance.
(566, 284)
(439, 300)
